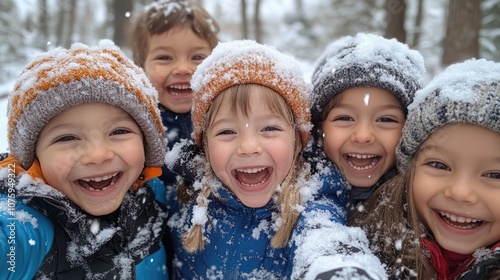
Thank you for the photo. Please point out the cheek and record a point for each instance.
(421, 191)
(219, 157)
(331, 145)
(55, 169)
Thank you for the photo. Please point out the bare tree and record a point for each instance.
(462, 31)
(43, 21)
(70, 28)
(257, 22)
(396, 13)
(244, 20)
(418, 24)
(120, 22)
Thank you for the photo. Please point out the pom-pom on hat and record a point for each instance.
(62, 78)
(366, 60)
(466, 92)
(248, 62)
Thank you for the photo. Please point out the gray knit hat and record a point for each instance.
(366, 60)
(59, 79)
(466, 92)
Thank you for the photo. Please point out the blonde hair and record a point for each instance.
(289, 194)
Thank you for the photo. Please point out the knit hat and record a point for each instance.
(247, 62)
(366, 60)
(60, 79)
(467, 92)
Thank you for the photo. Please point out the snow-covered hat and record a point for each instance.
(62, 78)
(466, 92)
(366, 60)
(248, 62)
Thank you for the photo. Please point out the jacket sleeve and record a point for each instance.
(324, 247)
(25, 238)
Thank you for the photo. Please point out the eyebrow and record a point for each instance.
(124, 117)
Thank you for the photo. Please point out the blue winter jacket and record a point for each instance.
(237, 238)
(177, 127)
(44, 235)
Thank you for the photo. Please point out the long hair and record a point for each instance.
(391, 221)
(288, 194)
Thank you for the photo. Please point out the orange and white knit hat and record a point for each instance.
(248, 62)
(62, 78)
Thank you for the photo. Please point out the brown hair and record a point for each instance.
(385, 228)
(288, 194)
(161, 17)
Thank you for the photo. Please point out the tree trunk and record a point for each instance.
(418, 24)
(244, 20)
(120, 22)
(70, 28)
(61, 16)
(462, 32)
(43, 22)
(396, 12)
(257, 22)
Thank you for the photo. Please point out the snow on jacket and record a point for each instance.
(177, 127)
(44, 235)
(238, 238)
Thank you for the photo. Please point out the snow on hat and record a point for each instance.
(366, 60)
(60, 79)
(466, 92)
(248, 62)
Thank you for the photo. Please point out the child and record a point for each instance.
(362, 86)
(85, 134)
(254, 211)
(446, 195)
(169, 40)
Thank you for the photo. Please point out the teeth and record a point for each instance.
(360, 168)
(361, 156)
(181, 86)
(459, 219)
(101, 178)
(251, 170)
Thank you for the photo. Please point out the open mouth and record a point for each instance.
(460, 222)
(100, 183)
(252, 177)
(362, 162)
(179, 90)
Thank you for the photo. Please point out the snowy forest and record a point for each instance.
(444, 31)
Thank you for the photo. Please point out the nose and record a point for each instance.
(461, 189)
(96, 151)
(183, 67)
(249, 145)
(362, 133)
